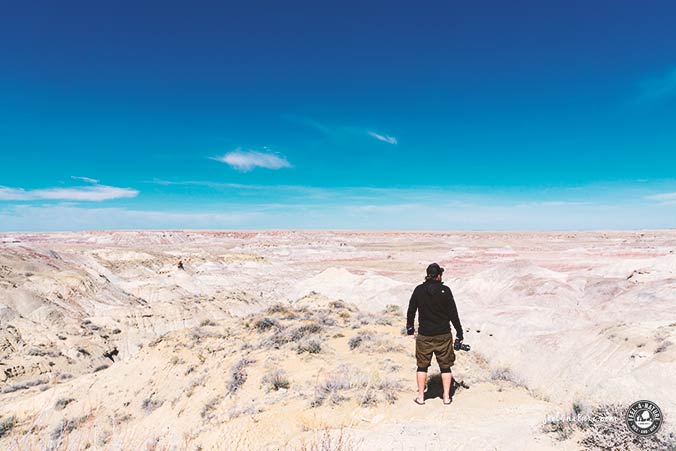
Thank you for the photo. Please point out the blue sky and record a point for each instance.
(341, 115)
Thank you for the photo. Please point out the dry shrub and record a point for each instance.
(603, 428)
(275, 380)
(149, 404)
(7, 424)
(305, 330)
(392, 309)
(209, 407)
(311, 346)
(278, 308)
(328, 441)
(368, 341)
(345, 383)
(238, 375)
(264, 324)
(24, 385)
(62, 403)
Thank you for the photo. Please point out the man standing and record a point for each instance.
(436, 308)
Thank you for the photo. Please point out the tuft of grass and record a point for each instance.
(563, 428)
(276, 380)
(149, 404)
(383, 321)
(392, 309)
(368, 398)
(305, 330)
(278, 308)
(7, 424)
(176, 360)
(337, 304)
(577, 408)
(66, 426)
(355, 342)
(190, 389)
(334, 387)
(311, 346)
(325, 319)
(663, 347)
(390, 389)
(505, 374)
(198, 334)
(209, 407)
(240, 410)
(207, 322)
(61, 403)
(382, 390)
(282, 336)
(370, 342)
(24, 385)
(278, 338)
(266, 324)
(328, 441)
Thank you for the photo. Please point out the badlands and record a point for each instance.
(292, 340)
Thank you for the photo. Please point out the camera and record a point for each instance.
(460, 346)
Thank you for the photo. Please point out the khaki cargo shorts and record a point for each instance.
(439, 345)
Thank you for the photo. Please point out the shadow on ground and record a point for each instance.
(436, 390)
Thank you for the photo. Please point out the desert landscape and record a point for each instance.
(286, 340)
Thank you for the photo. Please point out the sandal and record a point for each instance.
(450, 400)
(418, 402)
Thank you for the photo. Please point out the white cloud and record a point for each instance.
(95, 193)
(385, 138)
(84, 179)
(246, 160)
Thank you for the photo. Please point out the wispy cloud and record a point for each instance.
(308, 122)
(596, 206)
(553, 203)
(385, 138)
(95, 193)
(339, 132)
(658, 88)
(247, 160)
(84, 179)
(228, 185)
(402, 214)
(662, 196)
(61, 217)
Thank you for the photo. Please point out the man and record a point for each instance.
(436, 308)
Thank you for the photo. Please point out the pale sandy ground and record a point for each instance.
(106, 344)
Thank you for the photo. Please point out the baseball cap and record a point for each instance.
(434, 270)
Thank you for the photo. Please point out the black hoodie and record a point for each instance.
(436, 306)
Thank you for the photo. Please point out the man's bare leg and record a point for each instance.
(421, 378)
(446, 379)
